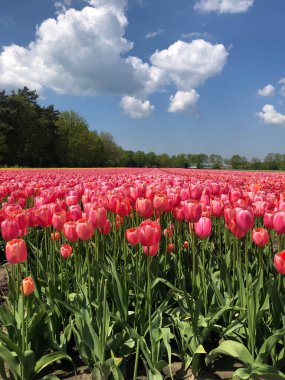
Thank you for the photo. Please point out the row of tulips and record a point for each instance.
(139, 267)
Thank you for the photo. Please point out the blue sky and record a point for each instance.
(185, 76)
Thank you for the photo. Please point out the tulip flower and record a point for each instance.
(65, 251)
(244, 219)
(16, 251)
(84, 229)
(9, 230)
(149, 232)
(279, 222)
(132, 236)
(69, 231)
(279, 262)
(203, 227)
(192, 211)
(28, 286)
(260, 237)
(144, 207)
(150, 250)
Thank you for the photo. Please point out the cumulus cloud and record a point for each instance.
(183, 100)
(154, 34)
(269, 115)
(136, 108)
(267, 90)
(223, 6)
(190, 64)
(85, 52)
(79, 52)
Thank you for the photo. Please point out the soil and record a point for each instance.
(221, 369)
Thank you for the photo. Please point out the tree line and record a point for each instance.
(35, 136)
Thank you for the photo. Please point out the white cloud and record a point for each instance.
(154, 34)
(223, 6)
(190, 64)
(267, 90)
(183, 100)
(196, 35)
(136, 108)
(84, 52)
(282, 87)
(79, 52)
(269, 115)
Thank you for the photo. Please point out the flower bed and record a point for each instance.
(140, 268)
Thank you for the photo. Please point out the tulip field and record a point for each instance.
(131, 270)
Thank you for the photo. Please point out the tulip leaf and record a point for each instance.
(48, 359)
(231, 348)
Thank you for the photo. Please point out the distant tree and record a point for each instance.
(236, 161)
(256, 163)
(270, 161)
(76, 145)
(216, 161)
(200, 159)
(164, 160)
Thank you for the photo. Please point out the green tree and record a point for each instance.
(27, 131)
(76, 145)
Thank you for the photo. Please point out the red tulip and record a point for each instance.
(149, 232)
(260, 236)
(65, 251)
(159, 202)
(144, 207)
(217, 208)
(268, 219)
(16, 251)
(170, 247)
(58, 220)
(132, 236)
(192, 211)
(106, 228)
(150, 250)
(9, 230)
(69, 231)
(279, 262)
(84, 229)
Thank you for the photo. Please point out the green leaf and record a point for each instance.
(5, 340)
(48, 359)
(259, 371)
(28, 363)
(196, 359)
(11, 362)
(154, 375)
(2, 370)
(231, 348)
(269, 344)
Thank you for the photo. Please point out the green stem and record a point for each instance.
(136, 360)
(149, 305)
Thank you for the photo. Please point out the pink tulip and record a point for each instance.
(260, 237)
(279, 222)
(16, 251)
(203, 227)
(279, 262)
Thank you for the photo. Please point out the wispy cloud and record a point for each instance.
(154, 34)
(223, 6)
(193, 35)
